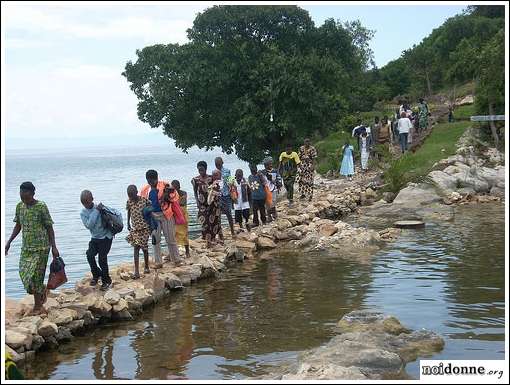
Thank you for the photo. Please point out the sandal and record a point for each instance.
(135, 276)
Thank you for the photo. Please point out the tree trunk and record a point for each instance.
(428, 83)
(492, 125)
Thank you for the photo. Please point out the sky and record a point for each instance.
(63, 62)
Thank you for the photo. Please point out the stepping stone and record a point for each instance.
(409, 224)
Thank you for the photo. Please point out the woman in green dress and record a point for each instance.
(33, 219)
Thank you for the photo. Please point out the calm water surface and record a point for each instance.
(448, 277)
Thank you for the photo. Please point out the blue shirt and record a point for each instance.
(91, 218)
(153, 196)
(257, 187)
(225, 173)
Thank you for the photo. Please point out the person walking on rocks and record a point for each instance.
(208, 216)
(385, 136)
(423, 115)
(306, 170)
(33, 219)
(100, 242)
(214, 201)
(289, 161)
(226, 199)
(258, 195)
(139, 230)
(274, 181)
(181, 231)
(365, 144)
(404, 126)
(347, 167)
(162, 212)
(242, 205)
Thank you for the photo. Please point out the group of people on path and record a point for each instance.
(406, 124)
(160, 207)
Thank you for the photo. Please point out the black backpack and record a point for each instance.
(360, 130)
(111, 219)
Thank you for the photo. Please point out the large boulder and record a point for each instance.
(47, 329)
(265, 243)
(416, 196)
(62, 316)
(111, 297)
(18, 338)
(327, 229)
(445, 182)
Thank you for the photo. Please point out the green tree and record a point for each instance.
(250, 79)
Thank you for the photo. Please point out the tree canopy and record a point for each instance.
(251, 79)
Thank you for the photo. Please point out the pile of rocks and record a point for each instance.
(370, 346)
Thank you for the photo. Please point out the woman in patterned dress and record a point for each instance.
(307, 155)
(33, 219)
(139, 230)
(208, 215)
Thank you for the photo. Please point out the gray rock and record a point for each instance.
(111, 297)
(63, 335)
(125, 291)
(47, 329)
(18, 337)
(37, 342)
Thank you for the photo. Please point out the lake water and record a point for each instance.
(448, 277)
(60, 175)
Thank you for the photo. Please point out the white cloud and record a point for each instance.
(70, 101)
(169, 24)
(20, 43)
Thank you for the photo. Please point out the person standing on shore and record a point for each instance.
(306, 170)
(404, 126)
(139, 230)
(181, 231)
(423, 115)
(289, 161)
(226, 199)
(154, 190)
(274, 184)
(100, 242)
(206, 213)
(214, 202)
(347, 167)
(242, 206)
(365, 150)
(258, 195)
(33, 219)
(385, 136)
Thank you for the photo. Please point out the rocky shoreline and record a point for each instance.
(316, 225)
(369, 346)
(308, 225)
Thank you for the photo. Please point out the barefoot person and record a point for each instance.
(100, 242)
(33, 219)
(242, 206)
(139, 230)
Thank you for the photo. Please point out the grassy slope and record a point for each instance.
(413, 166)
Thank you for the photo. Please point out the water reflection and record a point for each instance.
(447, 278)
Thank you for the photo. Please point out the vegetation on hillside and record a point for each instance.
(414, 166)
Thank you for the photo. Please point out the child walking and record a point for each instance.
(347, 167)
(181, 231)
(139, 230)
(258, 195)
(242, 205)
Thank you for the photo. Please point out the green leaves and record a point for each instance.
(243, 64)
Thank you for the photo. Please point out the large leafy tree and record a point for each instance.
(250, 79)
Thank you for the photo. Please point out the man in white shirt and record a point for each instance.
(404, 125)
